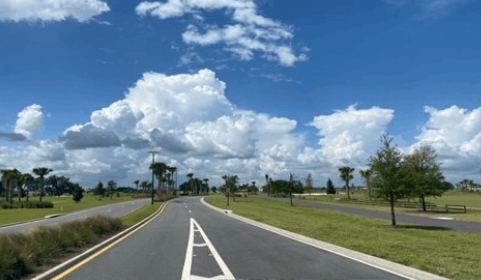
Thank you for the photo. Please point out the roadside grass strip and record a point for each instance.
(63, 205)
(25, 254)
(436, 250)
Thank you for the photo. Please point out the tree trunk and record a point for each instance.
(423, 202)
(347, 188)
(393, 217)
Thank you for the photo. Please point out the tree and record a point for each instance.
(366, 174)
(159, 168)
(308, 186)
(424, 176)
(267, 185)
(214, 189)
(206, 185)
(291, 182)
(191, 181)
(346, 176)
(330, 189)
(99, 190)
(386, 166)
(78, 193)
(111, 186)
(136, 183)
(41, 172)
(231, 183)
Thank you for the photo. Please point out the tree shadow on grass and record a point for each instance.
(430, 228)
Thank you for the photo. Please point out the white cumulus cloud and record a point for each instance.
(30, 120)
(51, 10)
(248, 33)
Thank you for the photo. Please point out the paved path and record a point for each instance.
(112, 210)
(400, 217)
(191, 241)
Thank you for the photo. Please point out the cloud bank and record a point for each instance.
(190, 120)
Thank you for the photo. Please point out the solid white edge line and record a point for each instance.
(312, 242)
(188, 255)
(218, 258)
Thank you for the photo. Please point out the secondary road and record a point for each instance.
(113, 210)
(191, 241)
(400, 217)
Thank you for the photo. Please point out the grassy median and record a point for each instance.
(62, 205)
(437, 250)
(24, 254)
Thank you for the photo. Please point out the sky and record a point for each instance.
(244, 87)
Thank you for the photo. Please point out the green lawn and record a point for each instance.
(451, 198)
(443, 252)
(140, 214)
(62, 205)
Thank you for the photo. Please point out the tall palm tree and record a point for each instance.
(206, 184)
(159, 169)
(366, 174)
(10, 178)
(191, 181)
(41, 172)
(267, 185)
(136, 182)
(346, 176)
(173, 169)
(27, 180)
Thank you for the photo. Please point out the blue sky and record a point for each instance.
(410, 68)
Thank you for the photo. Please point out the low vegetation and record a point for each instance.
(437, 250)
(22, 254)
(140, 214)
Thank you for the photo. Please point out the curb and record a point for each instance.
(382, 264)
(57, 270)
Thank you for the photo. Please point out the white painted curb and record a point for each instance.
(388, 266)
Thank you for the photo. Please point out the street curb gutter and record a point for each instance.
(76, 260)
(388, 266)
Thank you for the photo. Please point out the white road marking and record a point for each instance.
(186, 272)
(190, 211)
(444, 218)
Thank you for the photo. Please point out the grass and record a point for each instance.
(140, 214)
(452, 198)
(437, 250)
(62, 205)
(23, 254)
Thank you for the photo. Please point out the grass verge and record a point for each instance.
(140, 214)
(24, 254)
(437, 250)
(62, 205)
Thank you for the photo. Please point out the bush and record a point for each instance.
(21, 254)
(27, 204)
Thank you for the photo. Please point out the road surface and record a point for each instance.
(191, 241)
(112, 210)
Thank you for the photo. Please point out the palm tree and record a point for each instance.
(10, 177)
(159, 169)
(27, 180)
(190, 176)
(206, 184)
(267, 185)
(41, 172)
(136, 182)
(346, 176)
(366, 174)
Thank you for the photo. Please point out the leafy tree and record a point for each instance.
(206, 185)
(346, 176)
(466, 185)
(386, 166)
(309, 184)
(214, 189)
(330, 189)
(78, 193)
(111, 186)
(253, 189)
(424, 176)
(231, 183)
(366, 174)
(41, 172)
(28, 181)
(267, 185)
(99, 190)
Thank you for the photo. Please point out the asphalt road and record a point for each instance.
(112, 210)
(191, 241)
(471, 227)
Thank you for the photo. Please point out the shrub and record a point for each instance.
(22, 253)
(26, 204)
